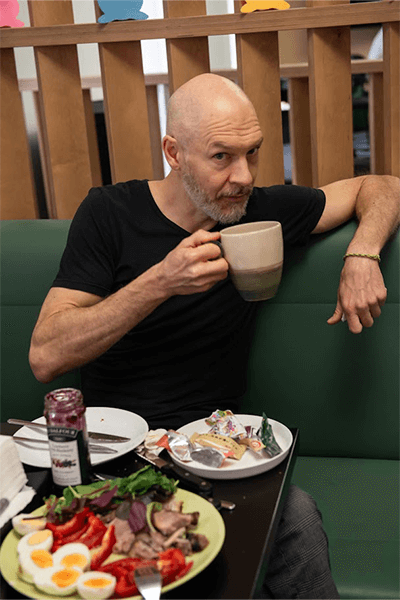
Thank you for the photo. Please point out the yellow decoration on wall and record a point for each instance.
(252, 5)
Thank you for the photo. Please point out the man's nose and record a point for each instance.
(240, 173)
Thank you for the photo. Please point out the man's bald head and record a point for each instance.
(199, 99)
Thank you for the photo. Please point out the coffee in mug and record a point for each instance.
(254, 252)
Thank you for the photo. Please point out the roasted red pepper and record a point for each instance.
(125, 564)
(73, 537)
(126, 586)
(104, 551)
(123, 570)
(71, 526)
(93, 536)
(172, 564)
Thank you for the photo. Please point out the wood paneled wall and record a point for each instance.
(319, 94)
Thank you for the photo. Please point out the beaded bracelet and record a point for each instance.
(373, 256)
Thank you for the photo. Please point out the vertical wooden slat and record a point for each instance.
(186, 57)
(94, 154)
(64, 126)
(299, 126)
(259, 77)
(331, 113)
(155, 133)
(16, 179)
(44, 156)
(391, 97)
(376, 124)
(125, 108)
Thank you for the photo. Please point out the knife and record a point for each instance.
(93, 435)
(188, 481)
(92, 447)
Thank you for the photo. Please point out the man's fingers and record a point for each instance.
(375, 311)
(199, 237)
(353, 323)
(337, 316)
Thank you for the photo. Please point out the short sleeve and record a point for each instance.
(88, 261)
(297, 208)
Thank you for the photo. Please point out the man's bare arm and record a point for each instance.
(75, 327)
(375, 201)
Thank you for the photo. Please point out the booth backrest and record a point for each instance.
(30, 257)
(340, 389)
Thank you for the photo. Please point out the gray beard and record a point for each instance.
(209, 205)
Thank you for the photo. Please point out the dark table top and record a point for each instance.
(239, 569)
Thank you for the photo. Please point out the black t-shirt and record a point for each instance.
(188, 357)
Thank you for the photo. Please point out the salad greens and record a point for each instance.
(136, 484)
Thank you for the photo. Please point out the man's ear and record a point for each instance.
(172, 152)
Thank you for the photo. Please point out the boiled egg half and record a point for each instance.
(24, 523)
(72, 555)
(36, 540)
(58, 581)
(95, 585)
(34, 562)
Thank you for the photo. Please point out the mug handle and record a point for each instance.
(217, 243)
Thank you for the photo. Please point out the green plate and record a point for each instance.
(210, 524)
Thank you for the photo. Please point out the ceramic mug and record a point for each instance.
(254, 252)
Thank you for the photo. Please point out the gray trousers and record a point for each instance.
(299, 563)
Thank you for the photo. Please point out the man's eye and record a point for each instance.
(253, 151)
(220, 155)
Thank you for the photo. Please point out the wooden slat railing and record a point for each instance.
(320, 137)
(67, 169)
(17, 196)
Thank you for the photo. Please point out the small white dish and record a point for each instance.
(250, 464)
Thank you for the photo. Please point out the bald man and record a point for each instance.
(144, 306)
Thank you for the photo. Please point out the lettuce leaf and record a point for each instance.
(136, 484)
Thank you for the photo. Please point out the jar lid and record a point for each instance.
(64, 397)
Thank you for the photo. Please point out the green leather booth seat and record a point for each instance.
(341, 390)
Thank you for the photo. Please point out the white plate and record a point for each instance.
(250, 464)
(102, 419)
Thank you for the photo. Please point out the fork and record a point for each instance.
(148, 581)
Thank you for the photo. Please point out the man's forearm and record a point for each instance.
(76, 335)
(71, 331)
(378, 211)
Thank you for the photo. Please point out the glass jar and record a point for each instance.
(68, 437)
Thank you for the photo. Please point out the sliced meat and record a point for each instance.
(184, 545)
(174, 537)
(198, 541)
(168, 521)
(124, 535)
(157, 540)
(142, 550)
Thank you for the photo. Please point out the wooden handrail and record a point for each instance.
(288, 71)
(184, 27)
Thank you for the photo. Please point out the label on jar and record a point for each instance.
(68, 454)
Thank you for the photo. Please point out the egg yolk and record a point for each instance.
(97, 582)
(65, 577)
(74, 560)
(42, 558)
(39, 536)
